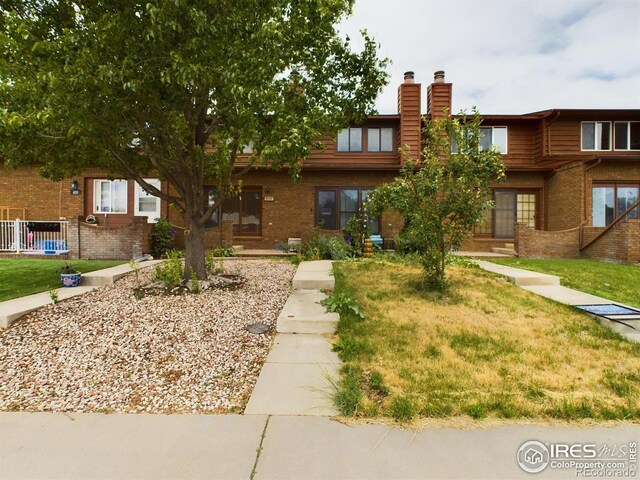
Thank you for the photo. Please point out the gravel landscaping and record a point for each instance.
(107, 351)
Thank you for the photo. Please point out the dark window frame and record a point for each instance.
(628, 147)
(615, 185)
(349, 150)
(380, 128)
(216, 219)
(338, 207)
(492, 212)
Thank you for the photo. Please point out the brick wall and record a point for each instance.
(119, 242)
(41, 198)
(564, 198)
(292, 211)
(213, 237)
(620, 244)
(530, 243)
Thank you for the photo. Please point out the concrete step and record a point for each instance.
(238, 248)
(504, 251)
(510, 246)
(520, 277)
(316, 275)
(302, 313)
(107, 276)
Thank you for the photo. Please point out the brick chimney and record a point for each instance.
(438, 96)
(409, 111)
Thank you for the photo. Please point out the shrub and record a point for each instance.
(171, 271)
(321, 247)
(162, 238)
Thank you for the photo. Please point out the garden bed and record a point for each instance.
(108, 351)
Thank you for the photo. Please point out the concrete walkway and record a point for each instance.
(261, 447)
(295, 377)
(12, 310)
(548, 286)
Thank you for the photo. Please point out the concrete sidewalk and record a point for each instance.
(295, 379)
(129, 446)
(12, 310)
(548, 286)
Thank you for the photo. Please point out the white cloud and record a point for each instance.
(511, 56)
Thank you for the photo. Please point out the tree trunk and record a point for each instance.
(194, 257)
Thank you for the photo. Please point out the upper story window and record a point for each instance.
(493, 136)
(350, 140)
(380, 139)
(248, 148)
(626, 136)
(110, 196)
(496, 136)
(596, 135)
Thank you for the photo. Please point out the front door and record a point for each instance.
(504, 213)
(245, 210)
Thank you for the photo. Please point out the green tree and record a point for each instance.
(442, 195)
(176, 88)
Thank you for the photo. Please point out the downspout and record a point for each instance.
(547, 125)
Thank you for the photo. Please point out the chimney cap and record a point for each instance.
(409, 77)
(438, 77)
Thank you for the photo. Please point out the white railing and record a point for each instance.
(29, 236)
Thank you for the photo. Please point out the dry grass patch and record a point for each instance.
(484, 349)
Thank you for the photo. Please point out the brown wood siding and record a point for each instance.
(409, 109)
(439, 98)
(565, 137)
(520, 143)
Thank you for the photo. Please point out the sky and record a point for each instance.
(509, 56)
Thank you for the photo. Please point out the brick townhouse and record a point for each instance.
(571, 174)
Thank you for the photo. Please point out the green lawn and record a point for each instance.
(617, 282)
(20, 277)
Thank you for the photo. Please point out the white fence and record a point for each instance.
(26, 236)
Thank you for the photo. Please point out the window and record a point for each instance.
(336, 206)
(146, 204)
(248, 148)
(510, 206)
(110, 196)
(244, 210)
(612, 200)
(626, 136)
(380, 139)
(596, 135)
(496, 136)
(350, 140)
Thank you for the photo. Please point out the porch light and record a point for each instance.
(74, 190)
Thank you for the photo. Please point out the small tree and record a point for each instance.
(442, 195)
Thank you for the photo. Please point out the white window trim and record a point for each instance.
(613, 135)
(97, 199)
(611, 139)
(506, 138)
(151, 216)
